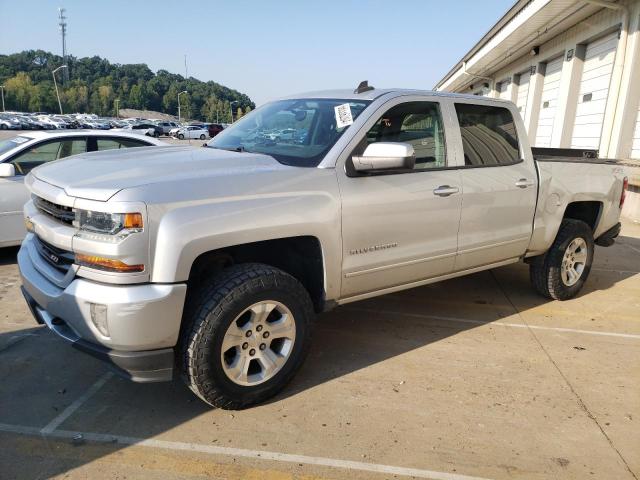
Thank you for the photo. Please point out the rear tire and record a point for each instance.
(202, 137)
(181, 136)
(563, 270)
(211, 357)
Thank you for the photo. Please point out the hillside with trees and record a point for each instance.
(94, 84)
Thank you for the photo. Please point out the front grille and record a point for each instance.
(60, 259)
(59, 212)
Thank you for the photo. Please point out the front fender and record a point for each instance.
(184, 233)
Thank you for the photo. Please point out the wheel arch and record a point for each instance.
(302, 257)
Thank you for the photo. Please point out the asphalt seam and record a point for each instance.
(580, 402)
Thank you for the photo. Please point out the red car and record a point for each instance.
(214, 129)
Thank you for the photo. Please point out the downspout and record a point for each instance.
(464, 71)
(618, 66)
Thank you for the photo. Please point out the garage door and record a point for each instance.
(549, 102)
(503, 90)
(523, 92)
(635, 148)
(594, 89)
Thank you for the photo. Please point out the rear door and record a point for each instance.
(499, 184)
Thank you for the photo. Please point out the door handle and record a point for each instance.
(445, 190)
(524, 183)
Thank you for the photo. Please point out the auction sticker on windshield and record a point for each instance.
(343, 115)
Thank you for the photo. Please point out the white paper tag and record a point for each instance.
(343, 115)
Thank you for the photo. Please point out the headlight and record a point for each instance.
(121, 224)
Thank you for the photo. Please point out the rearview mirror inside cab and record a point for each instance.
(385, 156)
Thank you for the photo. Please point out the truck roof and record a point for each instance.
(378, 92)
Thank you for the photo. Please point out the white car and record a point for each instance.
(191, 132)
(26, 151)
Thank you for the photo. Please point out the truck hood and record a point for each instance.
(100, 175)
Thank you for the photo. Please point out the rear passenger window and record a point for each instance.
(488, 135)
(115, 143)
(416, 123)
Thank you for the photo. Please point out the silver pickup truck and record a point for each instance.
(212, 262)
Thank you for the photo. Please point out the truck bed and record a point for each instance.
(570, 155)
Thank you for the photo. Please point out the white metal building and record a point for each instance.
(571, 66)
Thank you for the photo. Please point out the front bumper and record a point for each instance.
(143, 319)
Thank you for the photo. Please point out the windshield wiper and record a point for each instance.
(230, 149)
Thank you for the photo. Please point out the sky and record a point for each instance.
(265, 49)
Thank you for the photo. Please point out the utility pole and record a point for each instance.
(179, 113)
(117, 105)
(2, 90)
(186, 70)
(63, 32)
(56, 85)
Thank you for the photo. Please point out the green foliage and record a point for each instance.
(94, 83)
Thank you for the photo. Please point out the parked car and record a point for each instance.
(19, 155)
(148, 129)
(167, 126)
(217, 258)
(191, 132)
(6, 123)
(214, 129)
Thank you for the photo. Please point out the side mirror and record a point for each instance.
(386, 156)
(7, 170)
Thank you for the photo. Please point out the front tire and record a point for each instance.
(202, 137)
(245, 334)
(564, 269)
(181, 136)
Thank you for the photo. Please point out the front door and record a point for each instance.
(401, 227)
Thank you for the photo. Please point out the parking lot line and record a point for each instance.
(239, 452)
(500, 324)
(67, 412)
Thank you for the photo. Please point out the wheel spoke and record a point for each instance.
(261, 311)
(580, 256)
(233, 338)
(281, 328)
(240, 368)
(270, 362)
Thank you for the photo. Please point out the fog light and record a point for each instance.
(99, 318)
(28, 224)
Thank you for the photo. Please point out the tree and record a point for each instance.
(95, 82)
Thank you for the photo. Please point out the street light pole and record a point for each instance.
(2, 90)
(117, 102)
(56, 85)
(231, 108)
(179, 113)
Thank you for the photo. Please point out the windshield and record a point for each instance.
(296, 132)
(6, 145)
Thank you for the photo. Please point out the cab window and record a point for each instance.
(416, 123)
(45, 152)
(115, 143)
(488, 135)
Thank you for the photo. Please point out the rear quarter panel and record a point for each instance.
(562, 183)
